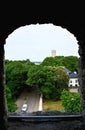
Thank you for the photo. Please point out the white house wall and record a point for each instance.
(73, 82)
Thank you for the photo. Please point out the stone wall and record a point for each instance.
(70, 17)
(52, 120)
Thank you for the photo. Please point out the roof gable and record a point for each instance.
(71, 74)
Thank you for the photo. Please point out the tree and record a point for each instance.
(53, 61)
(16, 75)
(10, 102)
(48, 61)
(49, 80)
(70, 62)
(41, 77)
(61, 80)
(71, 101)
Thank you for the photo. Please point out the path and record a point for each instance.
(32, 100)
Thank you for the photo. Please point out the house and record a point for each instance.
(73, 79)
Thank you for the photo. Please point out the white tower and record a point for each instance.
(53, 53)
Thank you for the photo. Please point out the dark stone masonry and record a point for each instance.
(67, 15)
(53, 120)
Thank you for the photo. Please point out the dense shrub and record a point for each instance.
(12, 107)
(71, 101)
(10, 101)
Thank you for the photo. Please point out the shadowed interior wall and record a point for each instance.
(67, 16)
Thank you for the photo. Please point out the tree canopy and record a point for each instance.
(49, 80)
(70, 62)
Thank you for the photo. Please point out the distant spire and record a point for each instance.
(53, 53)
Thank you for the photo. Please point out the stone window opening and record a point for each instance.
(70, 81)
(81, 73)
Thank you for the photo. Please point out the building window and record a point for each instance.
(70, 81)
(76, 81)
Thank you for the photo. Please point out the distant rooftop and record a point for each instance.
(71, 74)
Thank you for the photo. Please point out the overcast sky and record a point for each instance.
(36, 41)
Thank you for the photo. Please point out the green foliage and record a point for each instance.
(61, 80)
(71, 101)
(49, 80)
(12, 107)
(10, 101)
(70, 62)
(53, 61)
(16, 74)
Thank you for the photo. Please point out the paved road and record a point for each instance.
(32, 102)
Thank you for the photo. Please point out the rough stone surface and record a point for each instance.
(59, 123)
(69, 16)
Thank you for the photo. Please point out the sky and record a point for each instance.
(36, 41)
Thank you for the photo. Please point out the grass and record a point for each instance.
(52, 105)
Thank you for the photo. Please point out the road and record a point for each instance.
(32, 100)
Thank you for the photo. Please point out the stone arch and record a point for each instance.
(47, 24)
(68, 21)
